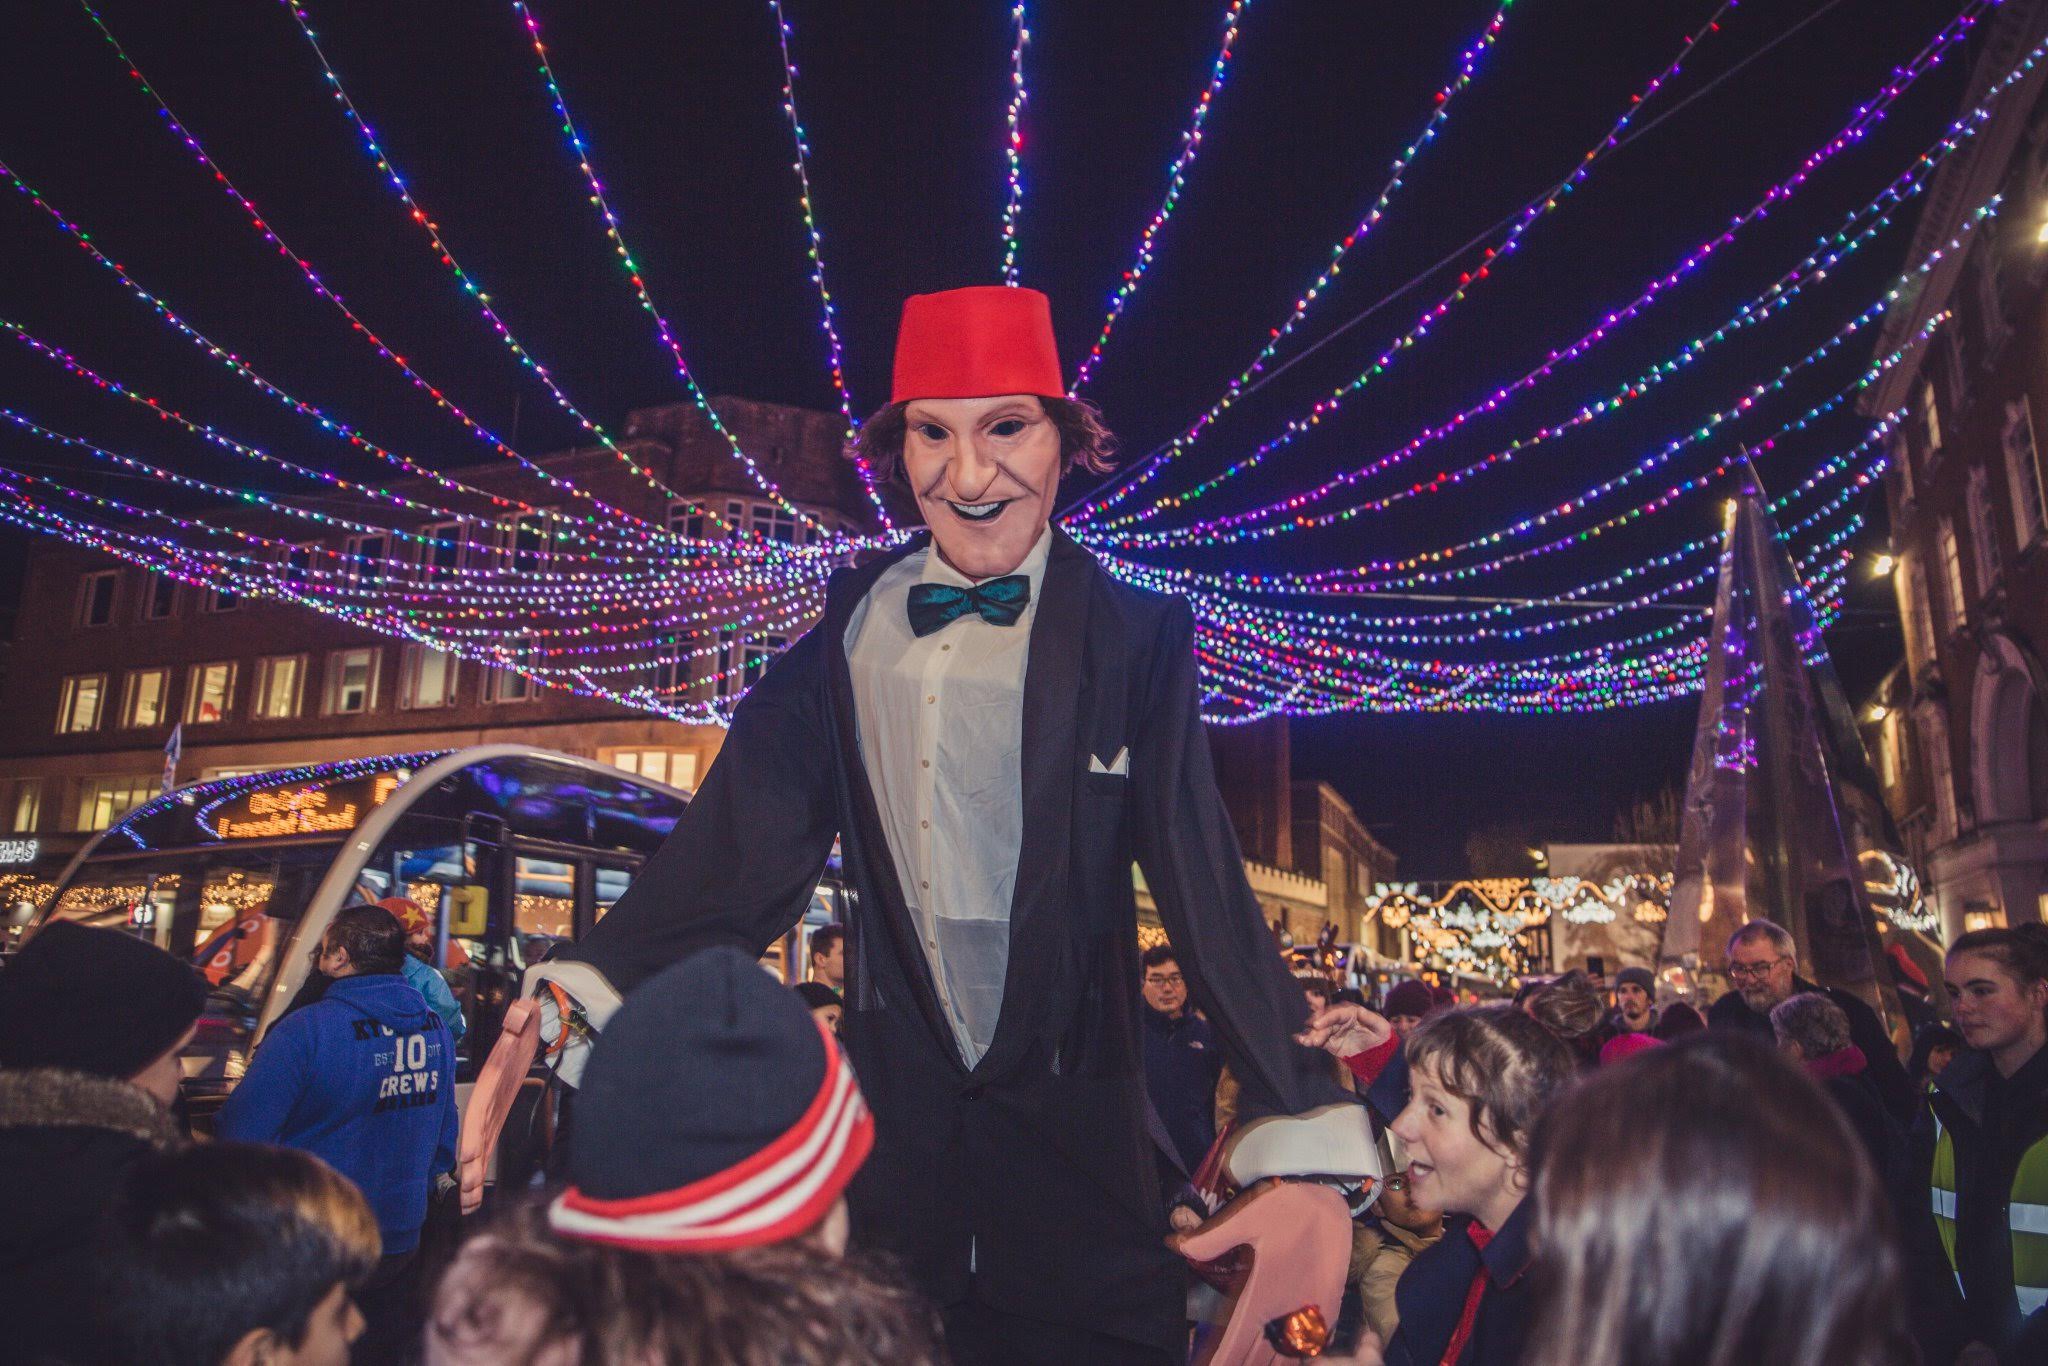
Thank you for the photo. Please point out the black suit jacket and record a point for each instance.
(1025, 1182)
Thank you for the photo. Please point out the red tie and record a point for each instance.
(1480, 1236)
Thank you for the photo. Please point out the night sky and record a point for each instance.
(903, 103)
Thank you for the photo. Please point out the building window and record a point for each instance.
(145, 697)
(1991, 320)
(774, 523)
(280, 682)
(96, 598)
(1914, 609)
(676, 767)
(1927, 408)
(508, 685)
(746, 662)
(1952, 577)
(222, 600)
(2023, 475)
(28, 806)
(429, 678)
(351, 681)
(523, 543)
(1983, 530)
(441, 549)
(299, 560)
(1902, 461)
(160, 603)
(688, 519)
(78, 709)
(102, 801)
(365, 558)
(209, 692)
(1940, 774)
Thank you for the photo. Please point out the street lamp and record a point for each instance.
(1886, 563)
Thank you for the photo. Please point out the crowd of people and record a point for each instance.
(1580, 1175)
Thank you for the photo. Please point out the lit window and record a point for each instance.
(1940, 773)
(279, 681)
(429, 678)
(209, 692)
(1928, 409)
(161, 602)
(145, 697)
(1915, 608)
(351, 681)
(28, 805)
(102, 801)
(1888, 739)
(1952, 576)
(96, 598)
(79, 707)
(774, 523)
(676, 767)
(2023, 473)
(688, 519)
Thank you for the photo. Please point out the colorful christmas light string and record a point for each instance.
(1858, 126)
(1176, 181)
(1440, 113)
(1908, 184)
(1013, 141)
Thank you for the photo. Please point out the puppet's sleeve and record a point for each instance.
(1196, 875)
(740, 866)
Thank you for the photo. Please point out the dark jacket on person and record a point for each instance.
(1433, 1290)
(67, 1139)
(365, 1079)
(1025, 1182)
(1183, 1063)
(1866, 1031)
(1990, 1122)
(1845, 1076)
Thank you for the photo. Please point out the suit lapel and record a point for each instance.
(845, 592)
(1052, 688)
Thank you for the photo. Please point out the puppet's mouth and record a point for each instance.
(979, 512)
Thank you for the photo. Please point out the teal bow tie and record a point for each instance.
(999, 602)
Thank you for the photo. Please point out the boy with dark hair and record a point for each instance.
(828, 956)
(365, 1079)
(233, 1255)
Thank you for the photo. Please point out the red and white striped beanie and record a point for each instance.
(715, 1113)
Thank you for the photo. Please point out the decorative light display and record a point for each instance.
(1858, 127)
(1013, 140)
(1176, 181)
(600, 602)
(1440, 112)
(835, 352)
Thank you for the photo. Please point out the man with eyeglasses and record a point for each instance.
(1763, 967)
(1182, 1059)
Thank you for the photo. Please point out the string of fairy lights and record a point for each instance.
(673, 604)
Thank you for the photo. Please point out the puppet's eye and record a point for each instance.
(931, 431)
(1009, 426)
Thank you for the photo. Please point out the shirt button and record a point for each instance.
(925, 824)
(945, 647)
(932, 698)
(926, 886)
(925, 762)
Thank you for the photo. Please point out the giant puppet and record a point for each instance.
(995, 729)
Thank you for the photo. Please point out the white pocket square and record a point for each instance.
(1120, 766)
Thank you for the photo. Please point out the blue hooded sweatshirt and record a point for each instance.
(365, 1079)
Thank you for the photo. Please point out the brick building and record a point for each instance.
(1960, 735)
(107, 658)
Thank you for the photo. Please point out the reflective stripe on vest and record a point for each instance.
(2026, 1215)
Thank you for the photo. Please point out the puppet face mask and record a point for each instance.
(985, 471)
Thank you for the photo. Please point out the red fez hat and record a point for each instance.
(976, 343)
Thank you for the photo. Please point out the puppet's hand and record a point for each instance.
(1345, 1029)
(575, 1003)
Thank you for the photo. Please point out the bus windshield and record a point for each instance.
(226, 909)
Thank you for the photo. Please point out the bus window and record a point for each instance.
(607, 886)
(543, 905)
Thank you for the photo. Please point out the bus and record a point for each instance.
(512, 850)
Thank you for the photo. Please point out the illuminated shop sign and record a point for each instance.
(302, 809)
(19, 851)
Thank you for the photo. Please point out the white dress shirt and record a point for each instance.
(940, 721)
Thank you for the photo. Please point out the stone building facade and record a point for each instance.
(1960, 735)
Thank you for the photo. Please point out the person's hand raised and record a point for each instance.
(1345, 1029)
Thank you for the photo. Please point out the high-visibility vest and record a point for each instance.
(2026, 1215)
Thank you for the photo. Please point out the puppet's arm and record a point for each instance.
(740, 866)
(1196, 875)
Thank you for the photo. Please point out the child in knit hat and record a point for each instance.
(705, 1220)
